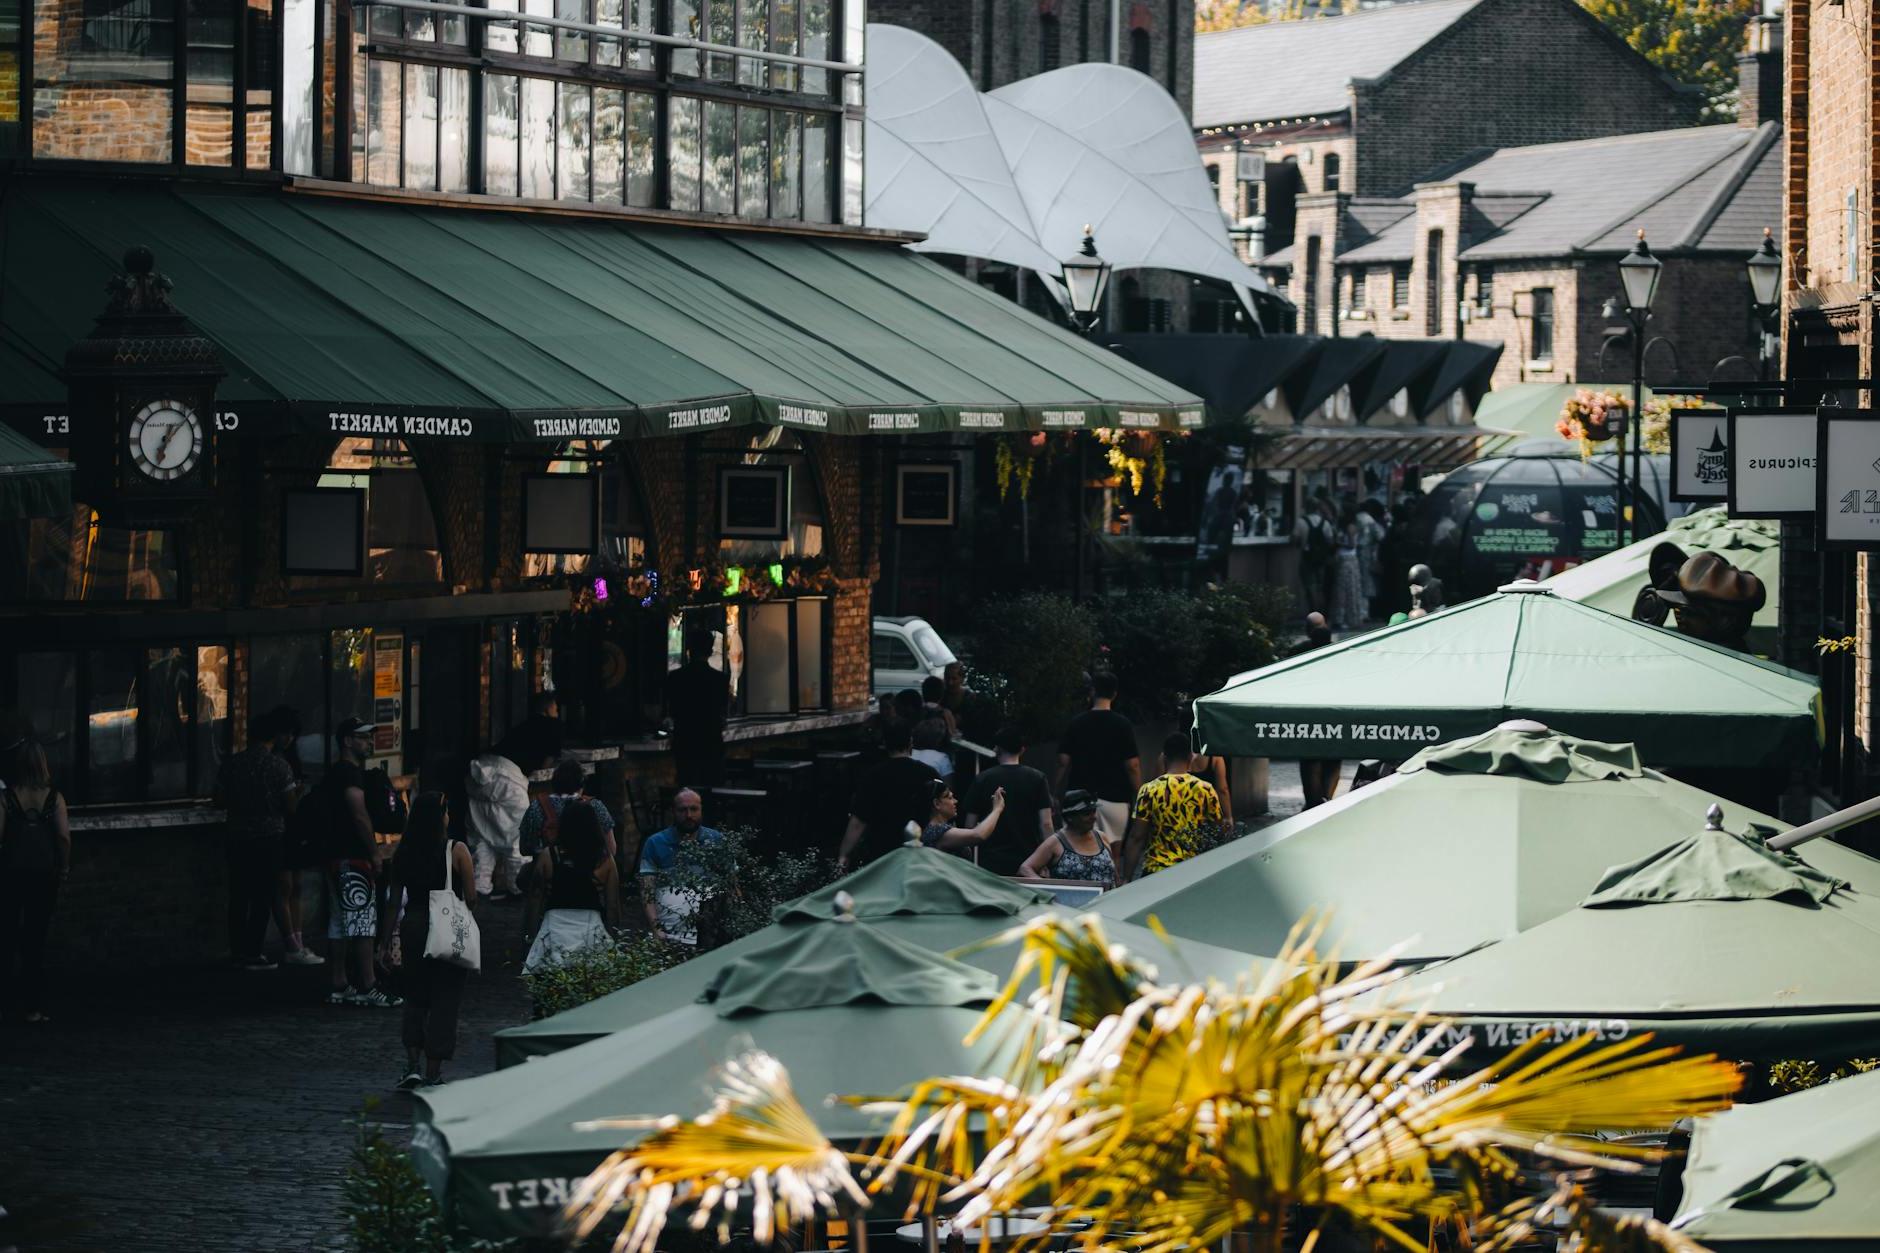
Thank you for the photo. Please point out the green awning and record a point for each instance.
(1801, 1168)
(1517, 824)
(1691, 946)
(422, 321)
(1531, 409)
(33, 483)
(1612, 581)
(1519, 653)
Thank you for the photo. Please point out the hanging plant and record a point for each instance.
(1139, 456)
(1015, 460)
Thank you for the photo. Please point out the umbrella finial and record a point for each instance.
(1524, 724)
(1713, 818)
(845, 907)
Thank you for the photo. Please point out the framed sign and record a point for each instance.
(926, 495)
(1772, 463)
(561, 513)
(754, 502)
(1849, 506)
(1700, 454)
(323, 531)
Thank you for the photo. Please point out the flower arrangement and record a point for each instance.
(1015, 461)
(1590, 416)
(1138, 456)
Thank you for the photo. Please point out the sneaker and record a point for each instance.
(411, 1080)
(433, 1083)
(302, 957)
(260, 963)
(347, 995)
(378, 998)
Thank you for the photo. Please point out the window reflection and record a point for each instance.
(209, 64)
(721, 28)
(47, 688)
(571, 45)
(383, 119)
(500, 36)
(500, 132)
(421, 127)
(786, 165)
(642, 118)
(610, 151)
(682, 144)
(453, 136)
(753, 32)
(721, 137)
(169, 700)
(572, 139)
(816, 45)
(685, 21)
(816, 172)
(401, 531)
(538, 139)
(111, 727)
(777, 446)
(753, 162)
(94, 58)
(75, 558)
(258, 94)
(212, 713)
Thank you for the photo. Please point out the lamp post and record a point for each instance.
(1639, 271)
(1765, 294)
(1086, 278)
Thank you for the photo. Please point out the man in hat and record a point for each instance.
(1426, 591)
(1715, 601)
(1662, 569)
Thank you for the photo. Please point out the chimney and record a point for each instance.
(1759, 73)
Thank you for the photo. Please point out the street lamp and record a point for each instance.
(1086, 277)
(1639, 271)
(1765, 294)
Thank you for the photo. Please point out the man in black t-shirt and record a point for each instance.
(891, 795)
(1098, 754)
(698, 698)
(1027, 817)
(351, 871)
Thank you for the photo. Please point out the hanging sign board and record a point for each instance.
(1772, 463)
(1849, 514)
(1700, 454)
(1250, 165)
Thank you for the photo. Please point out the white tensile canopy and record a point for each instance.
(1016, 174)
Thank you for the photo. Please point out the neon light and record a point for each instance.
(734, 579)
(600, 590)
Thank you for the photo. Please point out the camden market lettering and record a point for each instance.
(400, 424)
(534, 1193)
(576, 428)
(1138, 419)
(981, 420)
(695, 419)
(1062, 419)
(1375, 732)
(801, 415)
(894, 421)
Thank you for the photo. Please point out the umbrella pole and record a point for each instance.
(1825, 826)
(929, 1234)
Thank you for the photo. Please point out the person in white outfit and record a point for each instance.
(498, 795)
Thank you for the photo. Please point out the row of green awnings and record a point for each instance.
(342, 317)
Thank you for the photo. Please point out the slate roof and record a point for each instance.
(1297, 69)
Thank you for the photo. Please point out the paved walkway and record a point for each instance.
(206, 1110)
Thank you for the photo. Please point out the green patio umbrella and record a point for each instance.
(1522, 652)
(1469, 842)
(925, 897)
(1804, 1167)
(1716, 942)
(502, 1152)
(1753, 544)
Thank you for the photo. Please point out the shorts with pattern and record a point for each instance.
(352, 906)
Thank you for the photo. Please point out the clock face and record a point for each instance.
(165, 439)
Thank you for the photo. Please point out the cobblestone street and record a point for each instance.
(206, 1110)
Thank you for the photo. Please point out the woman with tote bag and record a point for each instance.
(437, 877)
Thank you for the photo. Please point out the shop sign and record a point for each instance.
(1772, 463)
(1700, 454)
(388, 693)
(1849, 506)
(1061, 419)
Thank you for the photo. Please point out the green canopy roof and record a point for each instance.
(33, 482)
(491, 1145)
(1803, 1167)
(431, 321)
(1716, 943)
(1522, 652)
(1470, 842)
(1753, 544)
(1532, 408)
(931, 900)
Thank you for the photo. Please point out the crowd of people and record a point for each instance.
(1353, 553)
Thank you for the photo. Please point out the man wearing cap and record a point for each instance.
(352, 897)
(1714, 601)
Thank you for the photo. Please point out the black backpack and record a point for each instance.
(384, 805)
(310, 828)
(32, 836)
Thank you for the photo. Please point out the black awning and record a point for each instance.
(1405, 365)
(1337, 363)
(1233, 373)
(1468, 368)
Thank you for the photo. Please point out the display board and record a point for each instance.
(1772, 463)
(1849, 503)
(323, 531)
(561, 513)
(1700, 455)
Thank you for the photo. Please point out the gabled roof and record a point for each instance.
(1294, 69)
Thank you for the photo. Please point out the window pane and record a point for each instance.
(811, 681)
(816, 44)
(383, 120)
(72, 558)
(93, 61)
(48, 693)
(538, 139)
(112, 728)
(571, 166)
(421, 127)
(211, 723)
(452, 29)
(297, 86)
(754, 162)
(289, 671)
(721, 138)
(786, 165)
(608, 13)
(816, 174)
(453, 139)
(767, 658)
(420, 27)
(258, 96)
(500, 103)
(852, 171)
(642, 15)
(383, 23)
(349, 676)
(683, 143)
(169, 699)
(753, 32)
(571, 45)
(9, 74)
(783, 38)
(538, 41)
(685, 21)
(642, 117)
(854, 29)
(208, 127)
(721, 28)
(609, 146)
(498, 37)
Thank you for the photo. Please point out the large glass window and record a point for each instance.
(10, 75)
(74, 557)
(774, 652)
(779, 447)
(103, 58)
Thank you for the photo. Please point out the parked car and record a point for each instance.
(907, 650)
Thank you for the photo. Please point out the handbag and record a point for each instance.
(452, 936)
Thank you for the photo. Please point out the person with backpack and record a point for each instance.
(352, 857)
(256, 788)
(35, 861)
(542, 820)
(427, 859)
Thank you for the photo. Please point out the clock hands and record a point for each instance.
(178, 429)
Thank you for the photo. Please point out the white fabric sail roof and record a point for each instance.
(1014, 175)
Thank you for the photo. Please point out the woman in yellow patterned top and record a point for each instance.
(1169, 813)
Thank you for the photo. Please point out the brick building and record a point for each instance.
(515, 353)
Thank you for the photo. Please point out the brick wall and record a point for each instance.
(90, 120)
(1509, 73)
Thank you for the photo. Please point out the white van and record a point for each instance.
(907, 650)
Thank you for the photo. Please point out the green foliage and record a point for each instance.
(1240, 623)
(1168, 647)
(1040, 645)
(1696, 42)
(591, 973)
(386, 1205)
(1799, 1074)
(738, 886)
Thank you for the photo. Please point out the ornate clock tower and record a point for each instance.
(142, 391)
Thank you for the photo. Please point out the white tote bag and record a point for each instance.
(452, 936)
